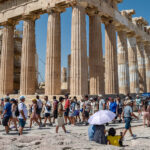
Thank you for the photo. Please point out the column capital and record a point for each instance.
(55, 10)
(10, 22)
(128, 13)
(31, 17)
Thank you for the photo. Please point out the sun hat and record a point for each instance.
(100, 95)
(91, 99)
(34, 100)
(128, 102)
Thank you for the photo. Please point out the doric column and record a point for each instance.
(69, 70)
(147, 66)
(133, 66)
(53, 55)
(95, 56)
(123, 67)
(141, 67)
(7, 60)
(28, 71)
(111, 68)
(79, 68)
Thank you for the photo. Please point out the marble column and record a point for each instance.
(111, 68)
(79, 67)
(123, 67)
(147, 66)
(69, 70)
(141, 67)
(96, 56)
(133, 66)
(53, 55)
(7, 60)
(28, 71)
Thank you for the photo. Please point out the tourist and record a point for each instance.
(47, 111)
(6, 114)
(77, 109)
(14, 109)
(34, 116)
(1, 108)
(67, 106)
(23, 114)
(86, 109)
(60, 119)
(127, 114)
(138, 102)
(39, 108)
(81, 109)
(55, 108)
(92, 106)
(91, 132)
(72, 112)
(146, 115)
(102, 103)
(113, 139)
(96, 107)
(99, 135)
(119, 107)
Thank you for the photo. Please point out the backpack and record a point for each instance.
(17, 111)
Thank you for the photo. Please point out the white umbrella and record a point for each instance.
(101, 117)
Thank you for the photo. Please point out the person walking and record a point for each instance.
(1, 109)
(23, 114)
(60, 119)
(67, 106)
(127, 114)
(39, 108)
(55, 108)
(102, 103)
(6, 114)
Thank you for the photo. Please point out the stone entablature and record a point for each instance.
(25, 7)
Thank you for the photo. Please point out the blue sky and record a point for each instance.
(142, 8)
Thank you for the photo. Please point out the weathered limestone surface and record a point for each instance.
(111, 69)
(95, 56)
(141, 67)
(123, 66)
(79, 68)
(28, 72)
(133, 66)
(7, 60)
(53, 55)
(147, 66)
(69, 71)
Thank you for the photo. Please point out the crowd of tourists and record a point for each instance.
(71, 111)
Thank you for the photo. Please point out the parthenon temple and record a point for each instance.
(125, 67)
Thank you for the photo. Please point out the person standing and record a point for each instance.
(1, 108)
(23, 114)
(47, 110)
(120, 108)
(39, 108)
(139, 104)
(55, 108)
(60, 119)
(6, 114)
(67, 106)
(127, 114)
(102, 103)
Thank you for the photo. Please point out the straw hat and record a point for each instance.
(34, 100)
(128, 102)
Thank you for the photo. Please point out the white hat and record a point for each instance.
(91, 98)
(100, 95)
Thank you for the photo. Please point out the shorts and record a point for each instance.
(39, 110)
(76, 113)
(22, 123)
(47, 115)
(86, 114)
(127, 123)
(66, 113)
(5, 121)
(120, 111)
(60, 121)
(55, 114)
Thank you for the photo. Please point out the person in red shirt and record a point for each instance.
(66, 107)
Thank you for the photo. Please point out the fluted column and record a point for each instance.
(7, 60)
(79, 68)
(147, 66)
(53, 55)
(96, 56)
(28, 71)
(111, 68)
(123, 67)
(133, 66)
(141, 67)
(69, 71)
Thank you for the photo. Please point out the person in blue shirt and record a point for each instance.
(6, 114)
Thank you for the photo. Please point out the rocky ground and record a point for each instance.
(46, 139)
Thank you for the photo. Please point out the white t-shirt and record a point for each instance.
(39, 103)
(49, 104)
(22, 106)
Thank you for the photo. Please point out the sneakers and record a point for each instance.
(134, 136)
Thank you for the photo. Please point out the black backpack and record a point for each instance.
(17, 112)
